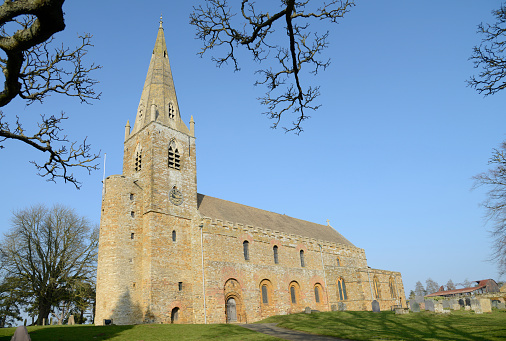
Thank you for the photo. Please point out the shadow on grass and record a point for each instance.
(363, 325)
(68, 333)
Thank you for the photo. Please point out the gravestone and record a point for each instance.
(475, 305)
(307, 310)
(446, 304)
(501, 306)
(468, 301)
(494, 303)
(402, 311)
(333, 307)
(375, 306)
(21, 334)
(456, 306)
(453, 302)
(422, 305)
(429, 305)
(107, 322)
(71, 320)
(461, 302)
(467, 307)
(341, 306)
(438, 307)
(485, 305)
(415, 307)
(43, 321)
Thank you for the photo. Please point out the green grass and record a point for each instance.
(144, 332)
(363, 325)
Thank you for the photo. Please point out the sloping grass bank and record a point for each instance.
(144, 332)
(363, 325)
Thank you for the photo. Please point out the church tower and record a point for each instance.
(146, 228)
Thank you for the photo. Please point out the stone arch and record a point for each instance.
(234, 302)
(174, 315)
(319, 294)
(294, 294)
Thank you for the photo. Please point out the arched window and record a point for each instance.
(275, 251)
(171, 111)
(392, 288)
(302, 263)
(174, 157)
(138, 158)
(317, 293)
(174, 235)
(341, 290)
(265, 296)
(174, 315)
(376, 286)
(245, 247)
(294, 292)
(338, 261)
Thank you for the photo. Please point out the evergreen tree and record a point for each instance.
(431, 286)
(419, 289)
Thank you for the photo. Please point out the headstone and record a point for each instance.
(71, 320)
(375, 306)
(501, 306)
(456, 306)
(333, 307)
(429, 305)
(21, 334)
(475, 305)
(467, 307)
(341, 306)
(461, 302)
(446, 304)
(468, 301)
(43, 321)
(494, 303)
(307, 310)
(107, 322)
(422, 305)
(415, 307)
(401, 311)
(438, 307)
(453, 302)
(485, 305)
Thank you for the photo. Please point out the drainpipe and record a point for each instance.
(369, 278)
(324, 278)
(203, 274)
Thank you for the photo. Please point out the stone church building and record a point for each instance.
(169, 254)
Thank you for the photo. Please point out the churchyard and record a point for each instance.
(353, 325)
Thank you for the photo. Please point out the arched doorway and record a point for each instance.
(231, 310)
(174, 315)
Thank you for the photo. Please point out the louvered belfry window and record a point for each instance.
(174, 158)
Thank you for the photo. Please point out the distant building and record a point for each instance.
(168, 254)
(484, 286)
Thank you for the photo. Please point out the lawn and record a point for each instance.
(363, 325)
(144, 332)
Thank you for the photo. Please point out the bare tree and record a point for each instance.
(431, 286)
(285, 52)
(33, 69)
(489, 55)
(495, 204)
(419, 289)
(49, 251)
(450, 285)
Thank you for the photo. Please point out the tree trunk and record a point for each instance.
(44, 310)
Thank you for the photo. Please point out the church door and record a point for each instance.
(231, 310)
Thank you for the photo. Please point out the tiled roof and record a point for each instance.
(228, 211)
(481, 284)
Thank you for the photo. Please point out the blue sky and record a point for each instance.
(388, 159)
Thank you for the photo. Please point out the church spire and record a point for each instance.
(158, 100)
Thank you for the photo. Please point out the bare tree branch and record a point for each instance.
(33, 69)
(220, 28)
(489, 56)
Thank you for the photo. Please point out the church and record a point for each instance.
(168, 254)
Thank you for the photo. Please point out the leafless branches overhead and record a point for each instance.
(34, 69)
(286, 49)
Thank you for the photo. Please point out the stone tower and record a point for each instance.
(145, 260)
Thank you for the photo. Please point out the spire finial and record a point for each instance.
(161, 21)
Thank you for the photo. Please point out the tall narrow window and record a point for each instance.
(245, 247)
(377, 290)
(174, 157)
(180, 286)
(171, 110)
(341, 290)
(392, 288)
(316, 294)
(265, 297)
(302, 263)
(292, 295)
(338, 261)
(138, 158)
(275, 251)
(174, 235)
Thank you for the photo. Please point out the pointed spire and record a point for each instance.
(158, 100)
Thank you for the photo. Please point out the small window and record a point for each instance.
(377, 290)
(302, 263)
(316, 294)
(275, 251)
(132, 214)
(138, 159)
(174, 235)
(132, 235)
(180, 286)
(131, 196)
(341, 288)
(338, 261)
(265, 297)
(292, 295)
(174, 157)
(245, 247)
(171, 110)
